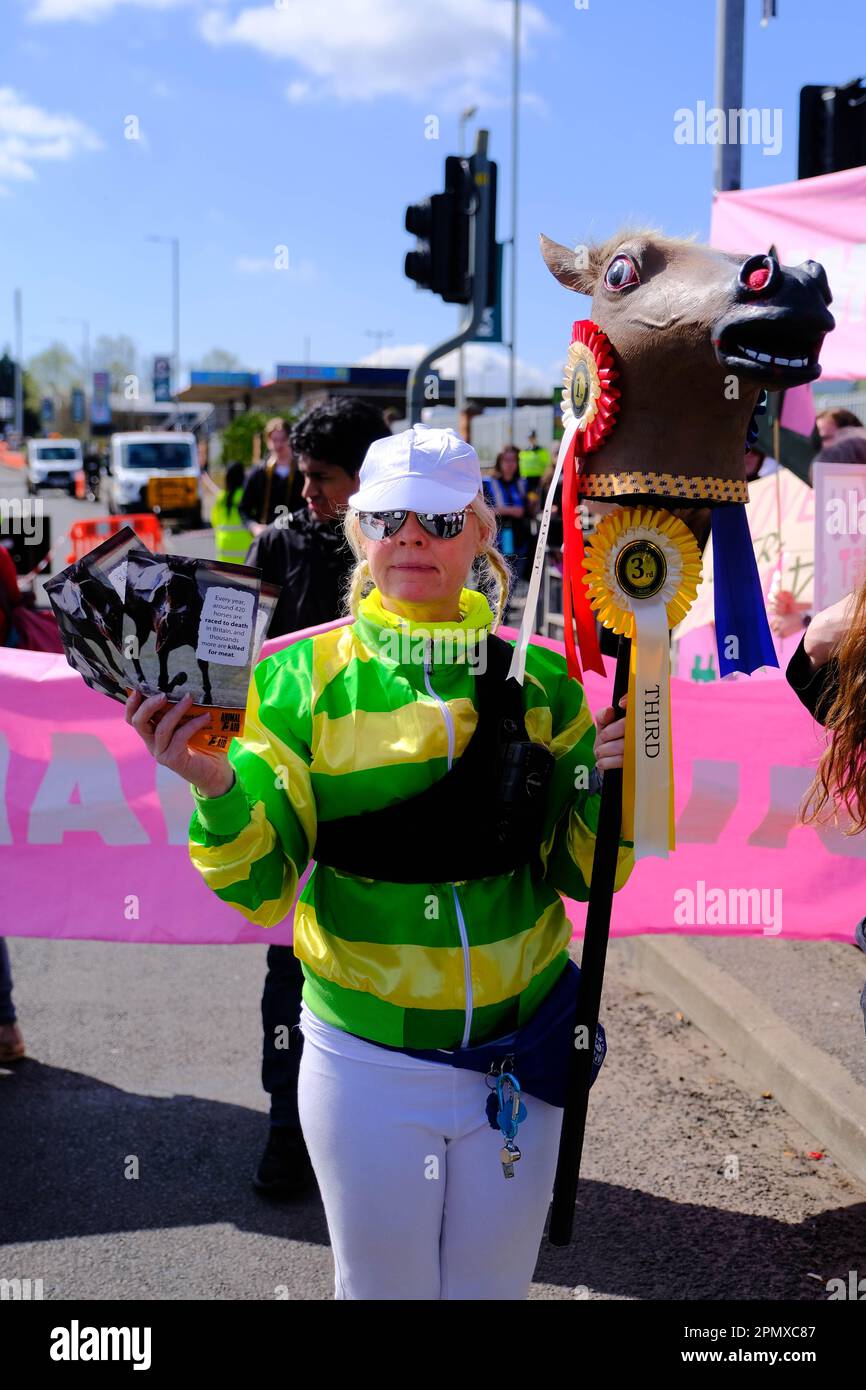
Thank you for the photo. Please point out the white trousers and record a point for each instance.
(410, 1174)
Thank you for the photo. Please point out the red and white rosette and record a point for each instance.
(590, 402)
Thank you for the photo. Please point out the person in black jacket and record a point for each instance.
(830, 659)
(305, 551)
(272, 488)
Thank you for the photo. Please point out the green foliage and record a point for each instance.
(116, 355)
(218, 360)
(239, 435)
(55, 370)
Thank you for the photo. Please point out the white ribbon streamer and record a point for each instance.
(517, 668)
(652, 754)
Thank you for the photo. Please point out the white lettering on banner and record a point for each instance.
(176, 803)
(82, 761)
(5, 829)
(788, 787)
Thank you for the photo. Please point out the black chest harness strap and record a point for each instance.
(483, 817)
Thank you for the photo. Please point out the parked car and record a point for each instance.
(53, 463)
(155, 472)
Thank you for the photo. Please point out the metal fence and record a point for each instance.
(491, 432)
(841, 400)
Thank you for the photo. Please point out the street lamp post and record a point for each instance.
(460, 394)
(84, 324)
(174, 243)
(515, 99)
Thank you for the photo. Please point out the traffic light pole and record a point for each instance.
(416, 396)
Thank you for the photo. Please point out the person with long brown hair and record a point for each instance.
(828, 674)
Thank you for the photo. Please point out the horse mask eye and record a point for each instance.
(621, 273)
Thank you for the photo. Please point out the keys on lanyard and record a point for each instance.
(511, 1114)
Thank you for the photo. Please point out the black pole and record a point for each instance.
(591, 980)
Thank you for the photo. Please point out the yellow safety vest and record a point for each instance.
(231, 535)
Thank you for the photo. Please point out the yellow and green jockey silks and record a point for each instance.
(350, 721)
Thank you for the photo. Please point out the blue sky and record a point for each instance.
(301, 123)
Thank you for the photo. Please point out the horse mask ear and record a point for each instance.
(573, 269)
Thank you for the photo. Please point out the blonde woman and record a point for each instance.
(445, 820)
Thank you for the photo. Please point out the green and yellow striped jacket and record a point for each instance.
(351, 720)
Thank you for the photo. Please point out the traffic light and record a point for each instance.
(832, 129)
(7, 376)
(440, 261)
(443, 226)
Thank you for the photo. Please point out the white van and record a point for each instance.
(53, 463)
(155, 472)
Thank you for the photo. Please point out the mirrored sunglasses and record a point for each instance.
(380, 526)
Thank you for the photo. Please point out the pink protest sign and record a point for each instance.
(93, 833)
(821, 219)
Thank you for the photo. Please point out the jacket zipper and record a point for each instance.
(461, 924)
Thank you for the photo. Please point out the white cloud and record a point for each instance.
(486, 367)
(51, 11)
(29, 134)
(363, 49)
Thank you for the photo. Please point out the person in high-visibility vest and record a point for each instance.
(534, 460)
(231, 534)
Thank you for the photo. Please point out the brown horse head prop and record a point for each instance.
(696, 334)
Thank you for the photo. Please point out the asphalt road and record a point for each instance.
(152, 1052)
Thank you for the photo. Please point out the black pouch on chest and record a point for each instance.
(483, 817)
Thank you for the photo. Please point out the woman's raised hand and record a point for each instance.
(827, 629)
(165, 732)
(610, 737)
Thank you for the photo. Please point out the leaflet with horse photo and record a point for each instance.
(189, 627)
(182, 625)
(87, 600)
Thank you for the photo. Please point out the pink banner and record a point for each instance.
(821, 219)
(93, 834)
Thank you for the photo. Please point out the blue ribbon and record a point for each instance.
(738, 601)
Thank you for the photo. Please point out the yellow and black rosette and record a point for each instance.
(643, 568)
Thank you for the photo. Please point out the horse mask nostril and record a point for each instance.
(816, 272)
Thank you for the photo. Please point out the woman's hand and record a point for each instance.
(610, 737)
(165, 734)
(783, 602)
(827, 629)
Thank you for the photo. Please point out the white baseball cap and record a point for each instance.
(419, 470)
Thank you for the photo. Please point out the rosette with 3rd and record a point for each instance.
(643, 568)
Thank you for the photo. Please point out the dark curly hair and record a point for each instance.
(339, 432)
